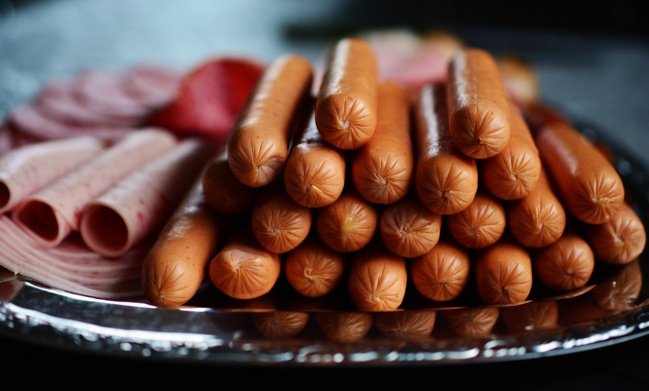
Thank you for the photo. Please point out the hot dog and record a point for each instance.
(313, 269)
(446, 180)
(243, 269)
(176, 265)
(408, 228)
(280, 324)
(503, 273)
(406, 324)
(620, 240)
(481, 224)
(566, 264)
(471, 322)
(314, 173)
(586, 181)
(442, 274)
(346, 105)
(279, 223)
(382, 169)
(477, 104)
(514, 171)
(259, 141)
(538, 219)
(377, 279)
(349, 223)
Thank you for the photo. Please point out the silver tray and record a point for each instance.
(213, 329)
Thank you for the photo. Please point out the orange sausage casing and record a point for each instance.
(314, 173)
(481, 224)
(586, 181)
(176, 264)
(347, 101)
(539, 218)
(349, 223)
(477, 104)
(222, 190)
(279, 223)
(259, 142)
(513, 172)
(446, 180)
(503, 273)
(243, 269)
(442, 274)
(382, 169)
(620, 240)
(566, 264)
(377, 279)
(313, 269)
(408, 228)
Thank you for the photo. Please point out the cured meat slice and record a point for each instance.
(102, 92)
(29, 168)
(6, 139)
(151, 85)
(50, 214)
(138, 204)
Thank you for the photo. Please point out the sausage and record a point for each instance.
(349, 223)
(279, 223)
(347, 101)
(377, 279)
(481, 224)
(314, 173)
(514, 171)
(586, 181)
(176, 265)
(344, 326)
(259, 141)
(408, 228)
(566, 264)
(539, 218)
(532, 316)
(446, 180)
(243, 269)
(280, 324)
(382, 169)
(478, 110)
(223, 191)
(442, 274)
(313, 269)
(619, 240)
(471, 321)
(503, 273)
(407, 324)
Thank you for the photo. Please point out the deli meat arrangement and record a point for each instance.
(429, 167)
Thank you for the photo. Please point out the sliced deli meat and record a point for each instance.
(152, 85)
(26, 169)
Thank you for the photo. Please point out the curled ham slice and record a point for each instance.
(102, 92)
(29, 168)
(50, 214)
(138, 204)
(151, 85)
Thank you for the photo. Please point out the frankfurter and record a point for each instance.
(314, 173)
(313, 269)
(279, 223)
(259, 141)
(347, 326)
(566, 264)
(280, 324)
(586, 181)
(539, 218)
(382, 169)
(480, 224)
(503, 273)
(513, 172)
(349, 223)
(619, 240)
(242, 268)
(408, 324)
(446, 180)
(408, 228)
(223, 191)
(347, 101)
(478, 109)
(442, 274)
(176, 265)
(532, 316)
(377, 279)
(471, 321)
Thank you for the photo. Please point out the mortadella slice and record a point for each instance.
(50, 214)
(29, 168)
(138, 204)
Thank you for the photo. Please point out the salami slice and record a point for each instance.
(151, 85)
(102, 92)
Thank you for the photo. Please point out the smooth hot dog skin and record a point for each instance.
(621, 239)
(566, 264)
(481, 224)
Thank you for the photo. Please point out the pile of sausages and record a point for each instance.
(351, 179)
